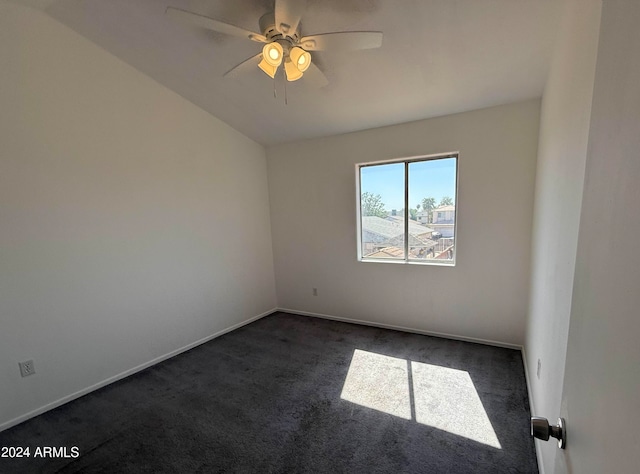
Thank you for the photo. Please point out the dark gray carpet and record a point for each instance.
(267, 398)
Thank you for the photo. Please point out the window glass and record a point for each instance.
(432, 190)
(381, 211)
(407, 210)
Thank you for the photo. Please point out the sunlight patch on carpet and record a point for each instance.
(447, 399)
(436, 396)
(379, 382)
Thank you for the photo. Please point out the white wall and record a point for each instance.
(602, 383)
(562, 151)
(313, 213)
(132, 223)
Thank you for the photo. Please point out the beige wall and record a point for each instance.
(133, 224)
(562, 152)
(313, 213)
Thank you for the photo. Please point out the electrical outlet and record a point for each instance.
(27, 368)
(539, 367)
(315, 292)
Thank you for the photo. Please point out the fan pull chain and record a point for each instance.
(274, 87)
(285, 92)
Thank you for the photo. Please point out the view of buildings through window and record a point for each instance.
(407, 210)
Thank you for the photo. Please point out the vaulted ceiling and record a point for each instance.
(438, 57)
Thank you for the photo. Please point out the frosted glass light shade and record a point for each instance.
(300, 58)
(293, 73)
(268, 69)
(272, 53)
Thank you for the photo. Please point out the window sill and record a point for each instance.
(443, 263)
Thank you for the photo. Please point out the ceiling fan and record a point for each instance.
(280, 32)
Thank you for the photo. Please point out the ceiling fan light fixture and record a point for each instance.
(301, 58)
(283, 40)
(268, 69)
(272, 53)
(292, 72)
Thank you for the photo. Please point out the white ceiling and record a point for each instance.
(438, 57)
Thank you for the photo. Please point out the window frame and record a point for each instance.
(406, 260)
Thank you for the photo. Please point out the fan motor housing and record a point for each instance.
(268, 28)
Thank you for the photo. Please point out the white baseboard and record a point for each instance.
(527, 377)
(126, 373)
(405, 329)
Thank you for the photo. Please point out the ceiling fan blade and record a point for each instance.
(244, 66)
(343, 41)
(215, 25)
(315, 77)
(288, 14)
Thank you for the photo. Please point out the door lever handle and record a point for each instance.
(541, 429)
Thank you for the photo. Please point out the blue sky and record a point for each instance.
(434, 178)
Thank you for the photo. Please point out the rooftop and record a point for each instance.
(445, 208)
(390, 228)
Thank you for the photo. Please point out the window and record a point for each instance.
(407, 210)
